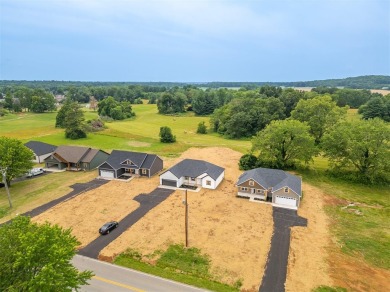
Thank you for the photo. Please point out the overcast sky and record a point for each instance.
(198, 40)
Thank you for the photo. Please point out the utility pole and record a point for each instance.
(4, 174)
(185, 202)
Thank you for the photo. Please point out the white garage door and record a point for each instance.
(107, 173)
(285, 201)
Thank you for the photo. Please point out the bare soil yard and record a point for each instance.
(86, 213)
(308, 259)
(235, 233)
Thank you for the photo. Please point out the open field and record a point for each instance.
(138, 134)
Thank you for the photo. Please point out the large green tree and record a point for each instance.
(114, 109)
(37, 257)
(285, 143)
(15, 158)
(376, 107)
(363, 145)
(74, 122)
(62, 112)
(321, 113)
(243, 117)
(171, 103)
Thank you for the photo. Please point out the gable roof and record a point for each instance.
(194, 168)
(40, 148)
(140, 160)
(75, 154)
(272, 178)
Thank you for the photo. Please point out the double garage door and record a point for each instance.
(169, 182)
(107, 173)
(286, 201)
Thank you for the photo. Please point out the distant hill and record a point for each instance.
(360, 82)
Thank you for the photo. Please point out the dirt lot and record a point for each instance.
(86, 213)
(235, 233)
(308, 259)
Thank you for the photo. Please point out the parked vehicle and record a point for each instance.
(35, 171)
(108, 227)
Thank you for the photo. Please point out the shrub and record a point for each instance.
(166, 135)
(202, 128)
(247, 162)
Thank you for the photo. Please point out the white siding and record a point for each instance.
(39, 159)
(219, 179)
(204, 183)
(168, 175)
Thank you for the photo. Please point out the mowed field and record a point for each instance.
(138, 134)
(339, 246)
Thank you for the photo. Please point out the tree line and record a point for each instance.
(368, 82)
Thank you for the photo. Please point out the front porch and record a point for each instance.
(252, 197)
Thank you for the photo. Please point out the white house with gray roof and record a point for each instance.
(274, 185)
(41, 150)
(193, 173)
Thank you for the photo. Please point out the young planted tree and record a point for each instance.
(202, 128)
(166, 135)
(361, 144)
(320, 113)
(74, 122)
(285, 143)
(37, 258)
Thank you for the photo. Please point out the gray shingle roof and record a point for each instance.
(141, 160)
(40, 148)
(71, 154)
(194, 168)
(273, 178)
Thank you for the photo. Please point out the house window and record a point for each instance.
(286, 189)
(251, 183)
(208, 182)
(192, 179)
(260, 191)
(244, 189)
(144, 171)
(186, 177)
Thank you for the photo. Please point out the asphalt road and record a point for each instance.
(276, 266)
(109, 277)
(147, 202)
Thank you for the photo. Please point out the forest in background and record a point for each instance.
(359, 82)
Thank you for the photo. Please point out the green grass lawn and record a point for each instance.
(39, 190)
(362, 230)
(185, 265)
(139, 133)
